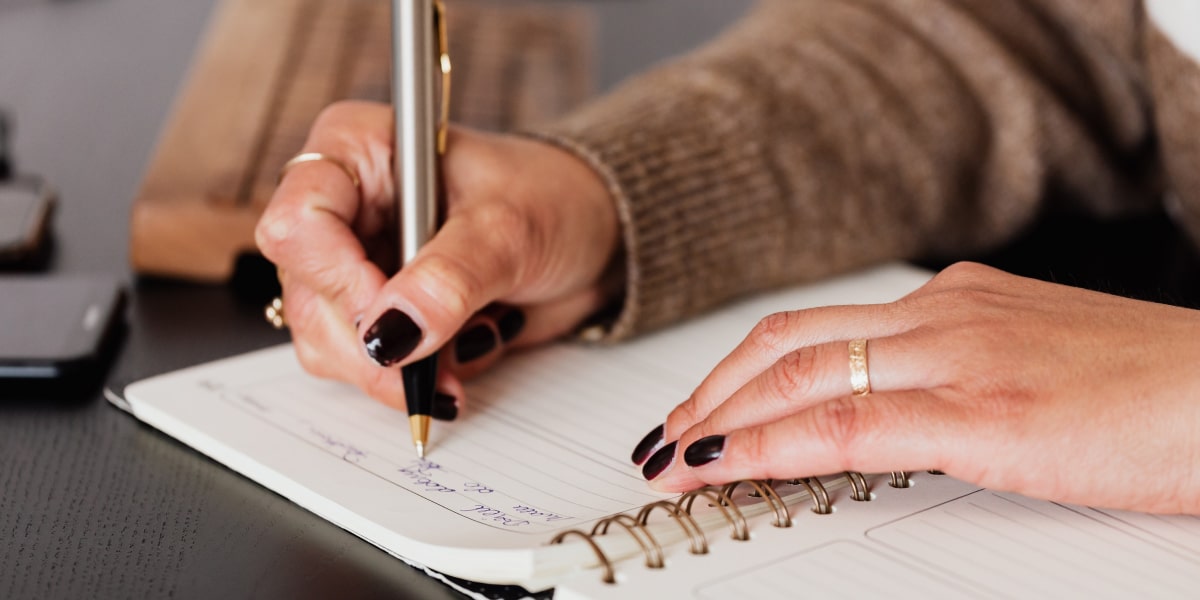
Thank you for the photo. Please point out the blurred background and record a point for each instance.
(169, 104)
(162, 124)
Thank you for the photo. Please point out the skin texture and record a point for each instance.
(527, 225)
(1010, 383)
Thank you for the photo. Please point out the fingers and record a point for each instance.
(499, 328)
(475, 258)
(525, 223)
(327, 346)
(794, 341)
(317, 217)
(483, 340)
(813, 375)
(904, 430)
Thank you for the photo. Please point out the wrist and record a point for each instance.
(593, 206)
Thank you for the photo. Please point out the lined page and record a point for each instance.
(500, 472)
(541, 446)
(1013, 546)
(830, 572)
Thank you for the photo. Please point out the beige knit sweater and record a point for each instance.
(819, 136)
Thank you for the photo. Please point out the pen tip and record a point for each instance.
(420, 449)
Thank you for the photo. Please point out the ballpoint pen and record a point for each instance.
(420, 58)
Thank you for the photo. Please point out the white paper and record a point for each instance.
(542, 447)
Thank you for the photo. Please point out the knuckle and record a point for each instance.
(754, 446)
(272, 233)
(964, 271)
(682, 418)
(334, 283)
(772, 334)
(508, 232)
(456, 287)
(499, 216)
(336, 113)
(964, 296)
(838, 424)
(793, 375)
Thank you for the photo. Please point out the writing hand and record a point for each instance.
(1011, 383)
(528, 234)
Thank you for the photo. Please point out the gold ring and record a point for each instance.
(274, 313)
(315, 157)
(860, 380)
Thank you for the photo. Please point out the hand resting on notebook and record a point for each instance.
(521, 257)
(1010, 383)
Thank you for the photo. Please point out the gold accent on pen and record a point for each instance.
(419, 424)
(443, 52)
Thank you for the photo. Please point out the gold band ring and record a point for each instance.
(860, 380)
(318, 157)
(274, 313)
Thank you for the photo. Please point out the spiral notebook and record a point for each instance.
(532, 485)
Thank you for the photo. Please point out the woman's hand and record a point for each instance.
(1010, 383)
(529, 233)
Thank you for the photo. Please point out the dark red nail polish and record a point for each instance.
(647, 445)
(445, 407)
(704, 450)
(510, 324)
(474, 343)
(392, 338)
(660, 461)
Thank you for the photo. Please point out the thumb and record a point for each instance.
(473, 260)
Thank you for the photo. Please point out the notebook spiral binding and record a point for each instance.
(720, 497)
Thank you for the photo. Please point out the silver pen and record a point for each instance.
(420, 60)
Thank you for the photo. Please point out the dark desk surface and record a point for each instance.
(93, 504)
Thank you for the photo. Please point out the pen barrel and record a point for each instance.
(413, 83)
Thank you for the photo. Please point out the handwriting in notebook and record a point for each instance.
(501, 473)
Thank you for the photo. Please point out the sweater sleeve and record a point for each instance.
(820, 136)
(1171, 45)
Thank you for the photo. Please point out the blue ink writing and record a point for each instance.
(487, 513)
(534, 513)
(347, 451)
(420, 474)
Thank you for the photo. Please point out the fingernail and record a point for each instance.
(510, 324)
(474, 343)
(659, 462)
(445, 407)
(647, 445)
(704, 450)
(394, 336)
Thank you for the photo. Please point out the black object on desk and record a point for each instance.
(92, 503)
(26, 208)
(95, 505)
(5, 146)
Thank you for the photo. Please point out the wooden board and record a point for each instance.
(267, 67)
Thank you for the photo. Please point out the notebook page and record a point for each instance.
(491, 487)
(541, 447)
(941, 538)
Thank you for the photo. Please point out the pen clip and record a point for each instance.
(443, 58)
